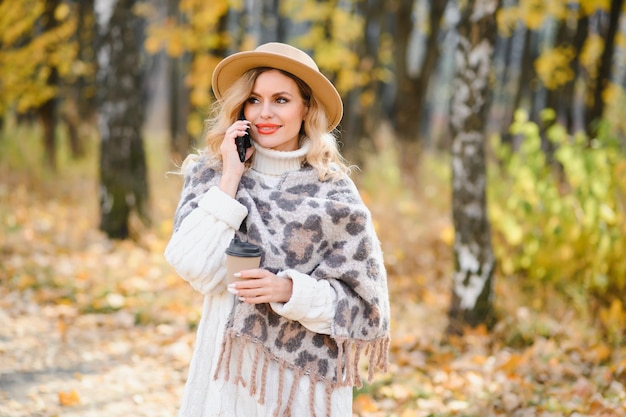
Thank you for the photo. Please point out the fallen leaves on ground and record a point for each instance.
(93, 327)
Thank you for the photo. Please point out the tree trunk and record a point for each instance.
(596, 108)
(472, 291)
(123, 179)
(72, 122)
(47, 112)
(411, 94)
(525, 75)
(180, 140)
(568, 103)
(361, 120)
(86, 82)
(179, 106)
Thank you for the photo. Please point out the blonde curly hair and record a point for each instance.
(323, 154)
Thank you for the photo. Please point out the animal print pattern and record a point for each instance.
(322, 229)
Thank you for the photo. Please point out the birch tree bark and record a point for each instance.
(472, 291)
(120, 84)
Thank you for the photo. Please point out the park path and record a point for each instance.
(56, 363)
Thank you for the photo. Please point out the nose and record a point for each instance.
(266, 110)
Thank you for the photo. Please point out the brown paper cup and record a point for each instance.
(235, 264)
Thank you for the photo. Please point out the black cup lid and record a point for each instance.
(243, 249)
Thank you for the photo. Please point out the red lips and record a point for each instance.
(267, 128)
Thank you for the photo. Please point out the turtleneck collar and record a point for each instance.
(275, 163)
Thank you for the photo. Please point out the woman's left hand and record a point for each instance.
(258, 286)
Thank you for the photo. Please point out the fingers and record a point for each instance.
(259, 286)
(228, 148)
(239, 128)
(255, 295)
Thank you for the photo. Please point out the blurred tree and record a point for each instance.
(472, 291)
(79, 96)
(571, 52)
(85, 85)
(180, 139)
(37, 50)
(365, 105)
(194, 36)
(601, 75)
(411, 97)
(123, 180)
(47, 111)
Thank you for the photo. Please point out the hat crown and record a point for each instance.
(288, 51)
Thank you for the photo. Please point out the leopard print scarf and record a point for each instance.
(322, 229)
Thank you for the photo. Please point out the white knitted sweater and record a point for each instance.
(313, 303)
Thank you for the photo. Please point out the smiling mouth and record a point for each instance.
(267, 129)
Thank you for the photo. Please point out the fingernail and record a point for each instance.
(242, 299)
(231, 289)
(237, 275)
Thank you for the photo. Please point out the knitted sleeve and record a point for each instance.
(204, 225)
(312, 302)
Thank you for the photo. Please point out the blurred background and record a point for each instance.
(490, 137)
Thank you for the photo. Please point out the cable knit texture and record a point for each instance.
(319, 235)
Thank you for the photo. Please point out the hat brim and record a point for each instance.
(233, 67)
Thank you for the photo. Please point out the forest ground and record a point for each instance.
(94, 327)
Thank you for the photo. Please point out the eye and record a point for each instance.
(282, 100)
(252, 100)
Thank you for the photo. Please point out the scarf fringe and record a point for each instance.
(348, 357)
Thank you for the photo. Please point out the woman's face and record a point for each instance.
(275, 110)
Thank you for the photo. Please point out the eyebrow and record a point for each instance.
(280, 93)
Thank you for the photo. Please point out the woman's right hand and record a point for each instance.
(232, 167)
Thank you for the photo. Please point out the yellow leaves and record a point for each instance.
(174, 39)
(308, 10)
(553, 66)
(199, 79)
(62, 11)
(175, 45)
(545, 222)
(17, 19)
(613, 318)
(589, 7)
(365, 403)
(447, 234)
(194, 126)
(532, 13)
(26, 60)
(591, 53)
(506, 19)
(153, 44)
(197, 34)
(69, 398)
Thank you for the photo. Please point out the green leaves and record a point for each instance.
(560, 221)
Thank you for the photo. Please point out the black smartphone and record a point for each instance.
(243, 142)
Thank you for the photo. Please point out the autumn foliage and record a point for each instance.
(93, 326)
(120, 302)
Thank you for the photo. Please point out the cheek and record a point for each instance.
(302, 114)
(297, 117)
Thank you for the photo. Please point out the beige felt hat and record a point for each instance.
(287, 58)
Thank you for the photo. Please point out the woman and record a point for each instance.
(283, 339)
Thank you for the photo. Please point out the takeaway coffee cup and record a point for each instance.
(239, 256)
